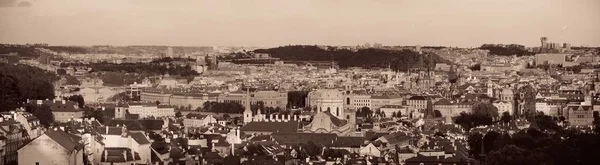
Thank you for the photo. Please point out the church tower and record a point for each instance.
(248, 111)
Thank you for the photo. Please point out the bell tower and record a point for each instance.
(248, 111)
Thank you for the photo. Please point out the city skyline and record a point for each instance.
(464, 23)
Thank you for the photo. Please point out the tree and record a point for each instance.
(9, 93)
(475, 67)
(97, 114)
(364, 112)
(76, 98)
(489, 139)
(505, 117)
(474, 141)
(485, 109)
(437, 114)
(509, 155)
(31, 83)
(178, 114)
(544, 123)
(43, 113)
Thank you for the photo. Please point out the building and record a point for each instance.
(12, 138)
(119, 138)
(389, 110)
(150, 109)
(355, 101)
(327, 100)
(448, 108)
(504, 106)
(169, 52)
(417, 102)
(382, 100)
(198, 120)
(29, 122)
(550, 59)
(189, 99)
(54, 147)
(325, 122)
(62, 110)
(579, 115)
(270, 98)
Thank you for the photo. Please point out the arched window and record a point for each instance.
(347, 117)
(337, 111)
(348, 101)
(329, 109)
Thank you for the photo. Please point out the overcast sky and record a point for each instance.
(462, 23)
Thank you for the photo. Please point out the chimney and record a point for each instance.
(64, 101)
(106, 129)
(125, 154)
(237, 132)
(105, 154)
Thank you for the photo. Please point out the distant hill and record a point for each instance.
(507, 50)
(367, 58)
(127, 49)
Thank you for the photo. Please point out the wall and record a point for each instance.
(46, 151)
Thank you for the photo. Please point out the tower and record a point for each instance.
(248, 111)
(490, 90)
(543, 41)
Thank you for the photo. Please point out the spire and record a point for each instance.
(247, 104)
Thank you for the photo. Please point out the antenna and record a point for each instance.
(562, 33)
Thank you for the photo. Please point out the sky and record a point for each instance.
(462, 23)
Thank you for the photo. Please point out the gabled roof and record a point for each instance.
(65, 140)
(139, 137)
(297, 138)
(348, 142)
(443, 102)
(417, 98)
(291, 126)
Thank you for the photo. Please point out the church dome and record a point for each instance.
(326, 94)
(507, 91)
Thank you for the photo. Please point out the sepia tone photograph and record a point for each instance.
(299, 82)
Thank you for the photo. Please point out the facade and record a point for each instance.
(150, 109)
(389, 110)
(357, 101)
(551, 59)
(380, 101)
(448, 108)
(504, 106)
(12, 135)
(192, 100)
(197, 120)
(62, 110)
(326, 100)
(270, 98)
(417, 102)
(119, 138)
(325, 122)
(54, 147)
(30, 123)
(580, 115)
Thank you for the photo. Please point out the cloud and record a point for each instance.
(24, 4)
(8, 3)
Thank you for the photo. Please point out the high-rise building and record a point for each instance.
(169, 52)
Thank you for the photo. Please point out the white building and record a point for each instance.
(54, 147)
(330, 100)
